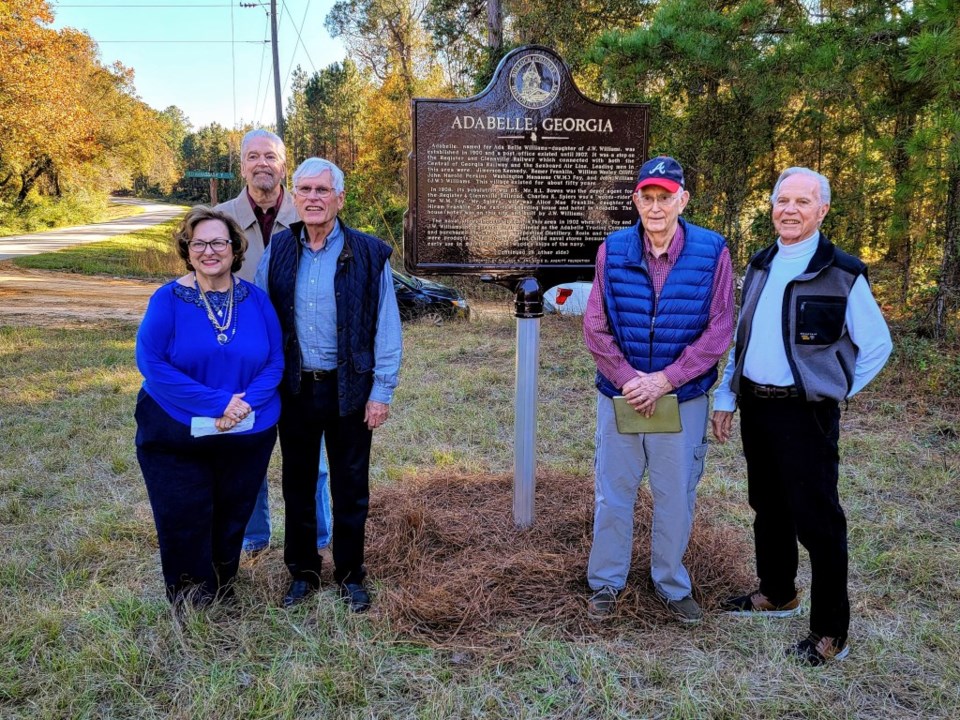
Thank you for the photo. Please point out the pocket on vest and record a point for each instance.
(363, 362)
(820, 319)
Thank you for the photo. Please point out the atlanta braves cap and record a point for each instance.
(663, 171)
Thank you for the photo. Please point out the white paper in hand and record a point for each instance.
(201, 426)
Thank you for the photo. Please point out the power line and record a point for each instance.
(212, 42)
(268, 70)
(263, 51)
(134, 7)
(233, 74)
(277, 93)
(293, 55)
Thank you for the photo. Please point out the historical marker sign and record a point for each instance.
(526, 178)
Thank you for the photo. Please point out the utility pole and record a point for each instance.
(276, 66)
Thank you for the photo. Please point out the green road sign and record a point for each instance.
(204, 174)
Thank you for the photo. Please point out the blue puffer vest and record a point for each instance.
(357, 288)
(652, 332)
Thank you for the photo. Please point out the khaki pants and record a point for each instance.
(675, 462)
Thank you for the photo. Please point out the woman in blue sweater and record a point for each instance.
(209, 350)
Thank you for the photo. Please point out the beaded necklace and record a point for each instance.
(219, 328)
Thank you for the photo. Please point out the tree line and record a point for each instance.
(865, 92)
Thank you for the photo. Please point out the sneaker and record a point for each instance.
(602, 603)
(816, 650)
(685, 610)
(757, 603)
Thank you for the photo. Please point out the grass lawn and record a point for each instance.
(86, 633)
(148, 253)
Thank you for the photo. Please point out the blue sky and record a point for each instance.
(209, 78)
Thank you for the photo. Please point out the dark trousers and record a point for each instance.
(304, 419)
(792, 468)
(202, 492)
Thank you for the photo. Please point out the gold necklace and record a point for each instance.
(219, 328)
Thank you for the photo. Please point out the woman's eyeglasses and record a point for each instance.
(200, 246)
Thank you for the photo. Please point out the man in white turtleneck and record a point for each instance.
(810, 336)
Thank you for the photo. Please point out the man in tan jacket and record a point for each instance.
(263, 208)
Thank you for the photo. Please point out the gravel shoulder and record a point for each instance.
(40, 298)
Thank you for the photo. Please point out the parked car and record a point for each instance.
(419, 298)
(567, 298)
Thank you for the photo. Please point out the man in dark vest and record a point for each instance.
(810, 336)
(659, 317)
(332, 288)
(261, 209)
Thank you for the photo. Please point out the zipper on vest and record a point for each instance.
(653, 322)
(787, 329)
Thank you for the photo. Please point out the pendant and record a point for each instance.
(220, 313)
(222, 339)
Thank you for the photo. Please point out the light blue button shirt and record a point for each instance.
(315, 313)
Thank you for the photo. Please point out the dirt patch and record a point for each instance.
(40, 298)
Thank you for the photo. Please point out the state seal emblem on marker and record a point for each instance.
(535, 81)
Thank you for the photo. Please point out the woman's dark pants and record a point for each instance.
(202, 491)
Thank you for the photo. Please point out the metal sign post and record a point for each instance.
(214, 176)
(529, 310)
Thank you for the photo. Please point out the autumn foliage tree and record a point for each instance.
(69, 121)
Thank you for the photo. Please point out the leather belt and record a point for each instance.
(770, 392)
(317, 375)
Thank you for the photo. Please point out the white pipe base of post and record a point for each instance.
(525, 422)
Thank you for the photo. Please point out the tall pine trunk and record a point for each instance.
(899, 249)
(948, 290)
(494, 27)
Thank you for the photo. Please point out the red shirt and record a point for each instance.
(699, 356)
(266, 219)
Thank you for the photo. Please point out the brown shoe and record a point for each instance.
(756, 603)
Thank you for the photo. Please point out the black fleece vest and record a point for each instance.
(356, 286)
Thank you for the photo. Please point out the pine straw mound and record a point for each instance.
(453, 569)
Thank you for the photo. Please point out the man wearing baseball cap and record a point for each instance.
(659, 317)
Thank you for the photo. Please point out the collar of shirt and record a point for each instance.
(334, 241)
(804, 248)
(673, 250)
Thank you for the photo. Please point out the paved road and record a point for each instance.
(35, 243)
